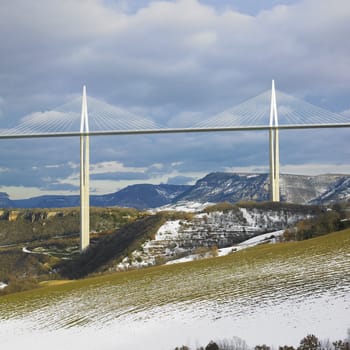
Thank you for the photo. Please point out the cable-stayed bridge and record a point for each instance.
(106, 119)
(272, 110)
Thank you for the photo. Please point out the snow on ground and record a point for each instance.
(264, 238)
(272, 301)
(187, 258)
(260, 238)
(252, 176)
(169, 230)
(3, 285)
(190, 207)
(251, 242)
(326, 316)
(248, 216)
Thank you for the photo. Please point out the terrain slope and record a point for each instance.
(269, 294)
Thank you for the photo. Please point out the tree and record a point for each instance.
(326, 344)
(310, 342)
(341, 345)
(262, 347)
(212, 346)
(235, 343)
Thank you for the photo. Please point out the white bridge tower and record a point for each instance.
(274, 149)
(84, 176)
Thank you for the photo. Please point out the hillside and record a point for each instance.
(271, 294)
(44, 244)
(101, 254)
(34, 241)
(218, 226)
(165, 236)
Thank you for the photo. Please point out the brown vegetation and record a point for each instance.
(310, 342)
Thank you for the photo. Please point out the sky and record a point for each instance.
(177, 63)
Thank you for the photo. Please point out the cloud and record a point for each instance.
(120, 176)
(176, 62)
(347, 113)
(53, 166)
(157, 51)
(23, 192)
(4, 170)
(181, 180)
(113, 167)
(1, 106)
(315, 169)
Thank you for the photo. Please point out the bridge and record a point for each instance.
(77, 118)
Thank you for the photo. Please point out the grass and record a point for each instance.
(256, 275)
(54, 283)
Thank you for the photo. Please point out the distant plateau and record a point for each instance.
(213, 188)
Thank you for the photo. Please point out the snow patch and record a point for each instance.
(260, 239)
(169, 230)
(252, 176)
(185, 206)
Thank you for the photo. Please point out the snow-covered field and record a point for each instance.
(173, 325)
(274, 299)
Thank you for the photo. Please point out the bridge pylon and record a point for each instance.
(274, 149)
(84, 176)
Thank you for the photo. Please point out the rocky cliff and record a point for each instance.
(231, 187)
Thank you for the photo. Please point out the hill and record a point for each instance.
(271, 294)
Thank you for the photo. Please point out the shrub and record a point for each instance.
(16, 285)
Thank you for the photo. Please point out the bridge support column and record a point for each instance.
(274, 149)
(84, 177)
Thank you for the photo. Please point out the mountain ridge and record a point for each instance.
(301, 189)
(140, 196)
(214, 187)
